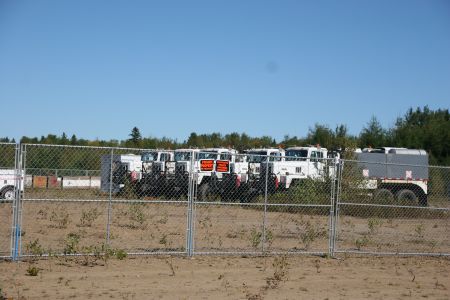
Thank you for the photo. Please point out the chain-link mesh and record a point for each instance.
(393, 208)
(7, 184)
(81, 199)
(261, 204)
(217, 201)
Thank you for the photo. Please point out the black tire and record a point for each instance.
(407, 197)
(383, 196)
(204, 192)
(8, 193)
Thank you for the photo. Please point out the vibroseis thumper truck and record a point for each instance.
(234, 169)
(205, 162)
(299, 163)
(155, 167)
(255, 158)
(123, 169)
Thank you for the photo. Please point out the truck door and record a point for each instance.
(317, 162)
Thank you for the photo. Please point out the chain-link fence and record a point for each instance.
(386, 208)
(74, 200)
(258, 209)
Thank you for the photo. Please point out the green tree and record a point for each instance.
(373, 134)
(135, 139)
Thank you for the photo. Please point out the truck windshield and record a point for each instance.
(225, 156)
(208, 155)
(257, 156)
(149, 156)
(296, 155)
(182, 156)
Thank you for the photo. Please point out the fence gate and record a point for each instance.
(9, 212)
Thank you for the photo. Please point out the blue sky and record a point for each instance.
(98, 68)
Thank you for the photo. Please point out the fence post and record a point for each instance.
(337, 195)
(263, 237)
(108, 224)
(191, 208)
(16, 233)
(332, 209)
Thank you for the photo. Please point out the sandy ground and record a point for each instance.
(204, 277)
(154, 227)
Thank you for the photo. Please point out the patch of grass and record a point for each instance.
(88, 217)
(256, 237)
(32, 270)
(35, 248)
(310, 232)
(120, 254)
(60, 218)
(72, 242)
(280, 272)
(136, 215)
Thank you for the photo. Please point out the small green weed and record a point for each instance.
(32, 270)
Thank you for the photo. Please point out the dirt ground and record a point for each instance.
(152, 227)
(205, 277)
(80, 227)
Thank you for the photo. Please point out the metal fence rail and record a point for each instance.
(72, 200)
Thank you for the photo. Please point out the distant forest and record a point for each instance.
(420, 128)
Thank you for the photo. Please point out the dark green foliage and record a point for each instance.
(421, 128)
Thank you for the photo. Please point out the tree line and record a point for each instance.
(420, 128)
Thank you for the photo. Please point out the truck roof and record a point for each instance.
(394, 150)
(306, 148)
(264, 149)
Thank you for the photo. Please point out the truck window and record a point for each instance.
(275, 156)
(225, 156)
(257, 157)
(296, 155)
(207, 155)
(183, 156)
(149, 156)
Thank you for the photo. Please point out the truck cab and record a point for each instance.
(257, 157)
(299, 163)
(206, 162)
(155, 165)
(123, 168)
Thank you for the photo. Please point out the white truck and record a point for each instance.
(257, 157)
(7, 184)
(299, 163)
(234, 169)
(155, 165)
(125, 168)
(385, 173)
(209, 166)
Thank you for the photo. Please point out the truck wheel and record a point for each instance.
(406, 196)
(204, 192)
(383, 196)
(8, 193)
